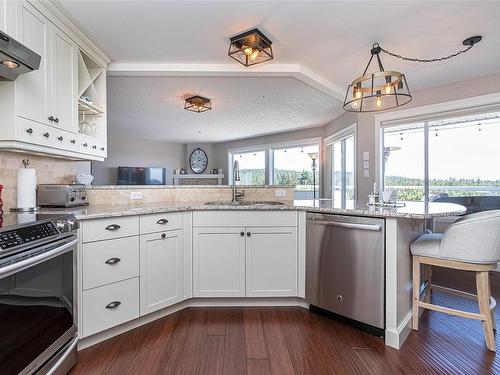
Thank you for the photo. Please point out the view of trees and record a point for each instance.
(412, 189)
(281, 177)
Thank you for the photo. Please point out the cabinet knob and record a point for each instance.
(113, 305)
(113, 227)
(112, 261)
(102, 148)
(163, 235)
(249, 234)
(73, 141)
(51, 118)
(60, 138)
(94, 147)
(46, 135)
(56, 120)
(29, 131)
(242, 234)
(85, 144)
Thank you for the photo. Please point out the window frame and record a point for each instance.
(268, 148)
(342, 135)
(426, 114)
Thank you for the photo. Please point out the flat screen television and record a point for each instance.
(142, 176)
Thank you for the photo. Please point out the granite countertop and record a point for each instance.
(141, 187)
(412, 210)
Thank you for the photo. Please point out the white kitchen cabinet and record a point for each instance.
(161, 263)
(64, 77)
(271, 262)
(33, 89)
(218, 262)
(39, 110)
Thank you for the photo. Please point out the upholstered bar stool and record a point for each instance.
(472, 243)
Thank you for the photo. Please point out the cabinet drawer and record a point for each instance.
(106, 262)
(109, 306)
(245, 218)
(160, 222)
(109, 228)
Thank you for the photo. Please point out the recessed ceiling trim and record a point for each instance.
(228, 70)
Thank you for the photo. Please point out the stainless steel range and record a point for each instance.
(38, 330)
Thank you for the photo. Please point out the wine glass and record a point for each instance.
(83, 125)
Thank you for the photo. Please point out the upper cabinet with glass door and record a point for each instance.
(39, 110)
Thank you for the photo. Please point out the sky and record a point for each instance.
(466, 151)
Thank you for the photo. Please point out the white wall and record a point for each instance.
(132, 152)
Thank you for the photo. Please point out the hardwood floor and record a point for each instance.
(289, 340)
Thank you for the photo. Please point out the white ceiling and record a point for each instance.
(152, 107)
(330, 39)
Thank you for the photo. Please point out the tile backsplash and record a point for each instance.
(48, 171)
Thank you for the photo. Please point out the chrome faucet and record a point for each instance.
(236, 178)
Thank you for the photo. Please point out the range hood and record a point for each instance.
(15, 58)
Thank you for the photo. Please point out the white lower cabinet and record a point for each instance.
(161, 260)
(218, 262)
(110, 305)
(271, 262)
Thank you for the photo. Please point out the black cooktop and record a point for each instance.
(13, 219)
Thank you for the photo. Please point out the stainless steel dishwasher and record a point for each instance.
(345, 268)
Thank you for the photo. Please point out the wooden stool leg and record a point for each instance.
(416, 290)
(493, 318)
(427, 277)
(483, 294)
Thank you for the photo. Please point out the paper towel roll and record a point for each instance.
(26, 188)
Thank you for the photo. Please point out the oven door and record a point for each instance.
(37, 307)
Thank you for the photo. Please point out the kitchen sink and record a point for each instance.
(248, 203)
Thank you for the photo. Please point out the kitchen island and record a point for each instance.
(195, 229)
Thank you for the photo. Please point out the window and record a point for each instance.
(343, 172)
(252, 167)
(294, 166)
(446, 157)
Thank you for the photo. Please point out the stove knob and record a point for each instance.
(61, 226)
(73, 224)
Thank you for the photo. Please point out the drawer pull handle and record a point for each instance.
(113, 305)
(85, 144)
(60, 138)
(162, 221)
(29, 131)
(56, 120)
(46, 135)
(113, 227)
(102, 148)
(112, 261)
(242, 234)
(163, 235)
(94, 147)
(51, 118)
(73, 141)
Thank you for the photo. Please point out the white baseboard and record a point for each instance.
(193, 302)
(396, 338)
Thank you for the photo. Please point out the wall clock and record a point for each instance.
(198, 161)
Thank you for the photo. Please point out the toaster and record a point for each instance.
(59, 195)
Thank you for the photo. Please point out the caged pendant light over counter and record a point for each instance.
(386, 89)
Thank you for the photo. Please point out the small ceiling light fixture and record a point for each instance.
(250, 48)
(197, 104)
(385, 89)
(9, 64)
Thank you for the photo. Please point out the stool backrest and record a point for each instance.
(474, 238)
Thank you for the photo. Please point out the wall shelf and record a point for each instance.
(88, 109)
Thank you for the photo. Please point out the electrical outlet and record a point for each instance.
(280, 192)
(136, 195)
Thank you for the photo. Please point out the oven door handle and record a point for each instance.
(37, 259)
(65, 355)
